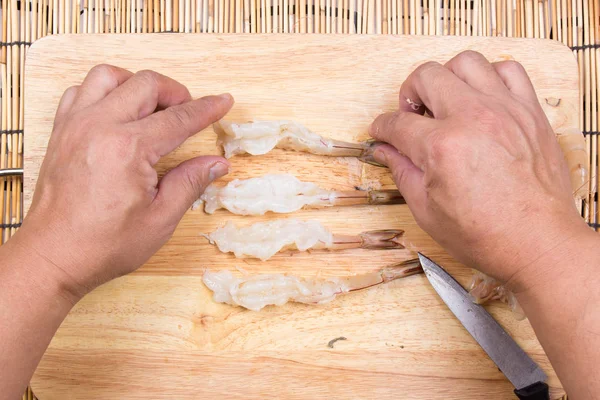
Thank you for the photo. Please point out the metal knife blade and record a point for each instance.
(518, 367)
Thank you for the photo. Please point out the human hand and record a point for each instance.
(485, 177)
(99, 210)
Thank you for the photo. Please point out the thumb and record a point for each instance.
(408, 178)
(184, 184)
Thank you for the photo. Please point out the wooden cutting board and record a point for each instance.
(157, 333)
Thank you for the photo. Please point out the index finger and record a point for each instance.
(142, 94)
(98, 83)
(165, 130)
(408, 132)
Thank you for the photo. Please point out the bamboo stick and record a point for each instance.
(452, 18)
(352, 26)
(406, 17)
(536, 19)
(476, 24)
(4, 125)
(238, 16)
(364, 16)
(378, 16)
(590, 120)
(228, 14)
(329, 25)
(4, 33)
(594, 176)
(509, 18)
(469, 16)
(425, 22)
(413, 17)
(393, 17)
(547, 17)
(342, 17)
(7, 115)
(445, 24)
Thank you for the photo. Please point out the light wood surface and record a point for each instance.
(157, 334)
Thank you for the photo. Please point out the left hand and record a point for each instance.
(99, 210)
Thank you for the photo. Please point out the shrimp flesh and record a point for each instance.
(284, 193)
(257, 291)
(484, 288)
(260, 137)
(263, 239)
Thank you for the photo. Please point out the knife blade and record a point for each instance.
(526, 376)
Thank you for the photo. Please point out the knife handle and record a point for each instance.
(536, 391)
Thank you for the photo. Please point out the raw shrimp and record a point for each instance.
(260, 137)
(263, 239)
(257, 291)
(284, 193)
(484, 288)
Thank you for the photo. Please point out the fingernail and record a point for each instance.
(226, 96)
(218, 170)
(380, 157)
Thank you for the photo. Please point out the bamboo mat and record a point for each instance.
(575, 23)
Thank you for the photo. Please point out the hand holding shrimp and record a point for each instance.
(486, 178)
(99, 210)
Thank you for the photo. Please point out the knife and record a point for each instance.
(526, 376)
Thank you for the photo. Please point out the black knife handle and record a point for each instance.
(536, 391)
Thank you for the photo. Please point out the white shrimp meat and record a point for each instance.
(263, 239)
(257, 291)
(279, 193)
(260, 137)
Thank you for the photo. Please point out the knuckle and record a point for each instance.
(427, 68)
(72, 90)
(124, 143)
(149, 77)
(442, 147)
(103, 70)
(511, 67)
(487, 118)
(469, 56)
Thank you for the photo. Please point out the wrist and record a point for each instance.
(558, 262)
(31, 265)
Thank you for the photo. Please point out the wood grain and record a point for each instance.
(157, 333)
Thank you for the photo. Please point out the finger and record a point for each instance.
(474, 69)
(99, 82)
(143, 94)
(515, 78)
(408, 178)
(432, 86)
(66, 103)
(184, 184)
(165, 130)
(409, 133)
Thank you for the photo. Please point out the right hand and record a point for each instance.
(485, 177)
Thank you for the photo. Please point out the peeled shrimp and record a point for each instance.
(484, 288)
(260, 137)
(263, 239)
(257, 291)
(284, 193)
